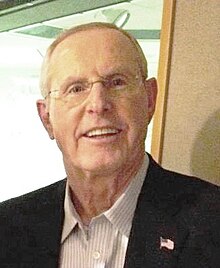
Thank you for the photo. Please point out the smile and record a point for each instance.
(102, 132)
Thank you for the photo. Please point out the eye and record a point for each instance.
(76, 88)
(118, 82)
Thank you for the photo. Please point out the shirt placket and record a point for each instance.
(100, 244)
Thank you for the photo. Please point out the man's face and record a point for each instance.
(101, 134)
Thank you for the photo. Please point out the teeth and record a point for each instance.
(103, 131)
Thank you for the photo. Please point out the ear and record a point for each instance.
(43, 113)
(151, 87)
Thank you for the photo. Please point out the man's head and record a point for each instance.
(98, 101)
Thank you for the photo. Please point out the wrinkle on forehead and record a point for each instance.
(85, 41)
(97, 47)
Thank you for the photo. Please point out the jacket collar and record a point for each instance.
(48, 221)
(154, 219)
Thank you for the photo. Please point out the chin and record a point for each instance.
(101, 164)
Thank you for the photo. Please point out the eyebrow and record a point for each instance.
(117, 71)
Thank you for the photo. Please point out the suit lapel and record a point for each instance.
(154, 220)
(45, 229)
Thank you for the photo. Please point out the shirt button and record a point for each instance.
(96, 255)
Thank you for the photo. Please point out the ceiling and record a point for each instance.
(27, 28)
(62, 13)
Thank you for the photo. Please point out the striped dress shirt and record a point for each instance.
(103, 243)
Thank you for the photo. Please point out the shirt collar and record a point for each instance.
(71, 217)
(120, 214)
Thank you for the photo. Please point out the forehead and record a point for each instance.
(95, 47)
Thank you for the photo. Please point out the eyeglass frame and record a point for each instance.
(89, 85)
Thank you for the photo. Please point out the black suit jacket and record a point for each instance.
(171, 206)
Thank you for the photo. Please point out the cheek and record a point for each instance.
(64, 125)
(136, 110)
(136, 117)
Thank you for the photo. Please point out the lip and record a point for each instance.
(103, 138)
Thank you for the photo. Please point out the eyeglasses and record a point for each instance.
(116, 86)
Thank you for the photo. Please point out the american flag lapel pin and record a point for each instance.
(166, 243)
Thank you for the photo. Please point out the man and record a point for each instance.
(117, 208)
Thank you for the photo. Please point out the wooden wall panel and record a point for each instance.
(191, 133)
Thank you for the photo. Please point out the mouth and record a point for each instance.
(99, 133)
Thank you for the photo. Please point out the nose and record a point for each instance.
(98, 101)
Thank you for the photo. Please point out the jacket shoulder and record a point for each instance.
(171, 192)
(176, 183)
(33, 201)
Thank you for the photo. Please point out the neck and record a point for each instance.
(93, 194)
